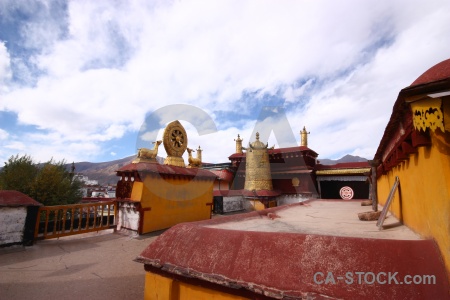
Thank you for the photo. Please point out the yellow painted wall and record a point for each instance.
(424, 191)
(256, 204)
(173, 200)
(160, 287)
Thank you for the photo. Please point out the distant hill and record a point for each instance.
(346, 159)
(104, 172)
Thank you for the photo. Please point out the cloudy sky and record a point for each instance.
(78, 79)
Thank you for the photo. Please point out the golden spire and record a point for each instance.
(238, 144)
(304, 137)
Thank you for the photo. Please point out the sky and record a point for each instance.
(95, 80)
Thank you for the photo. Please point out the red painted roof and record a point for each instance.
(227, 193)
(279, 150)
(15, 198)
(167, 170)
(290, 150)
(349, 165)
(260, 193)
(435, 79)
(282, 264)
(437, 72)
(223, 174)
(245, 193)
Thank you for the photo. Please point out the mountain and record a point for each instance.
(345, 159)
(104, 172)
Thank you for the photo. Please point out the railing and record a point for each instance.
(65, 220)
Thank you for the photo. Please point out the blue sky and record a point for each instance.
(79, 78)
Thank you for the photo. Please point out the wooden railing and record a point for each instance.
(65, 220)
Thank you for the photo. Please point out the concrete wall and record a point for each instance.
(12, 223)
(233, 203)
(423, 200)
(289, 199)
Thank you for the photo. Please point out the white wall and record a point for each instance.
(128, 216)
(12, 223)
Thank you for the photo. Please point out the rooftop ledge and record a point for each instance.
(278, 253)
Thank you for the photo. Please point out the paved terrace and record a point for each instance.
(89, 266)
(329, 217)
(100, 265)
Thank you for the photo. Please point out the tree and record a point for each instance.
(49, 183)
(18, 174)
(55, 185)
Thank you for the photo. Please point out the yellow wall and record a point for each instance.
(172, 201)
(159, 287)
(424, 192)
(256, 204)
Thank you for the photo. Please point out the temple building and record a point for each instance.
(153, 196)
(415, 148)
(259, 177)
(315, 249)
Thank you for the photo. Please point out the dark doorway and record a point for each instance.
(330, 189)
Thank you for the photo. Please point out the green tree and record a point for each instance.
(18, 174)
(49, 183)
(54, 185)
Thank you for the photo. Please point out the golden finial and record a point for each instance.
(238, 144)
(304, 137)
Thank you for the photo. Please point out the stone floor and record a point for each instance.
(90, 266)
(324, 217)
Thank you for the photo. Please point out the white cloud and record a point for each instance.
(338, 65)
(3, 134)
(5, 68)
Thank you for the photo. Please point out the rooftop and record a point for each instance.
(88, 266)
(329, 217)
(101, 265)
(161, 169)
(435, 73)
(15, 198)
(279, 251)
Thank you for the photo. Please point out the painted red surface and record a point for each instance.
(15, 198)
(165, 170)
(391, 148)
(245, 193)
(227, 193)
(223, 174)
(280, 151)
(437, 72)
(282, 264)
(348, 165)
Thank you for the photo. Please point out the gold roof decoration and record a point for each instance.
(343, 171)
(238, 144)
(257, 167)
(175, 142)
(147, 155)
(304, 137)
(257, 145)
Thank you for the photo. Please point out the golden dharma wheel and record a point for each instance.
(175, 139)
